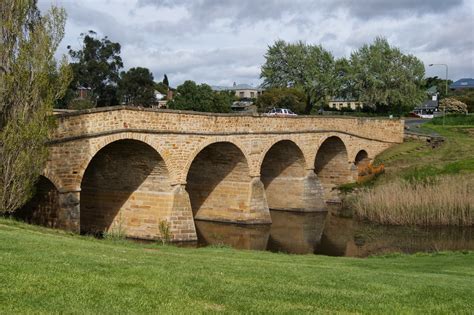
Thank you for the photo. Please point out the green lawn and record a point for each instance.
(416, 160)
(45, 271)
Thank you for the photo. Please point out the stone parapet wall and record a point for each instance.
(107, 120)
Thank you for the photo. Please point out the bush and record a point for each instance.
(80, 104)
(165, 231)
(454, 120)
(452, 105)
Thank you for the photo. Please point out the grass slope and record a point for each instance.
(416, 160)
(46, 271)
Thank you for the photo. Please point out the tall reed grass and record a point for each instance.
(447, 200)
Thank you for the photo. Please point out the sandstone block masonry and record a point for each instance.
(133, 169)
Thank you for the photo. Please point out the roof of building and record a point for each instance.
(428, 104)
(342, 99)
(464, 83)
(432, 90)
(236, 87)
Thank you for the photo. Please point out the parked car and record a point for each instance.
(280, 112)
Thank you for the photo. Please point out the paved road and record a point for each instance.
(414, 123)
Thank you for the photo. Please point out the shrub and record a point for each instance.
(165, 231)
(116, 232)
(454, 120)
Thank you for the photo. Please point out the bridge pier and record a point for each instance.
(254, 211)
(181, 217)
(313, 200)
(69, 211)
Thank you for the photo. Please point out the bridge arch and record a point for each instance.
(44, 207)
(332, 165)
(361, 156)
(282, 173)
(218, 182)
(208, 142)
(102, 142)
(126, 188)
(53, 178)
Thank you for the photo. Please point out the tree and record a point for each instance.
(165, 81)
(97, 65)
(466, 96)
(201, 98)
(451, 105)
(136, 87)
(290, 98)
(30, 83)
(440, 85)
(160, 87)
(307, 67)
(385, 77)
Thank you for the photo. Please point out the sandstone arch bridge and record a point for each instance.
(133, 167)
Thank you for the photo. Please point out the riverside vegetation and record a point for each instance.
(51, 271)
(424, 186)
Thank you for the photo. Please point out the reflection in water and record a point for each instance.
(304, 233)
(295, 232)
(238, 236)
(348, 237)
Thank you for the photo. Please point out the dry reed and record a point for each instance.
(447, 200)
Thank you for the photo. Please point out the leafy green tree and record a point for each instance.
(160, 87)
(30, 83)
(307, 67)
(290, 98)
(136, 87)
(96, 65)
(345, 85)
(464, 95)
(452, 105)
(440, 85)
(384, 77)
(201, 98)
(165, 81)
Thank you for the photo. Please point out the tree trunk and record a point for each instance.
(309, 105)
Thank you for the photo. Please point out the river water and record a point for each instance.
(330, 234)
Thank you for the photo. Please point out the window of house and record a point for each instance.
(241, 94)
(252, 94)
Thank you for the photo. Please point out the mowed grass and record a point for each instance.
(46, 271)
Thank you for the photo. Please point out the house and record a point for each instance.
(83, 92)
(162, 99)
(430, 107)
(159, 96)
(242, 91)
(341, 103)
(466, 83)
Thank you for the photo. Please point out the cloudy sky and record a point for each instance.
(224, 41)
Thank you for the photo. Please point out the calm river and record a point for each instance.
(318, 233)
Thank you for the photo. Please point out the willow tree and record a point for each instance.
(309, 68)
(30, 83)
(384, 77)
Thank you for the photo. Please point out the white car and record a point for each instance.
(280, 112)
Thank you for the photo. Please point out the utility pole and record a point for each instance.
(446, 95)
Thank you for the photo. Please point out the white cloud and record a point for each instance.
(222, 41)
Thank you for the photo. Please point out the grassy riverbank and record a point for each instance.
(46, 271)
(414, 160)
(422, 185)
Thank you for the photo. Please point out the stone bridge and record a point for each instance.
(135, 169)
